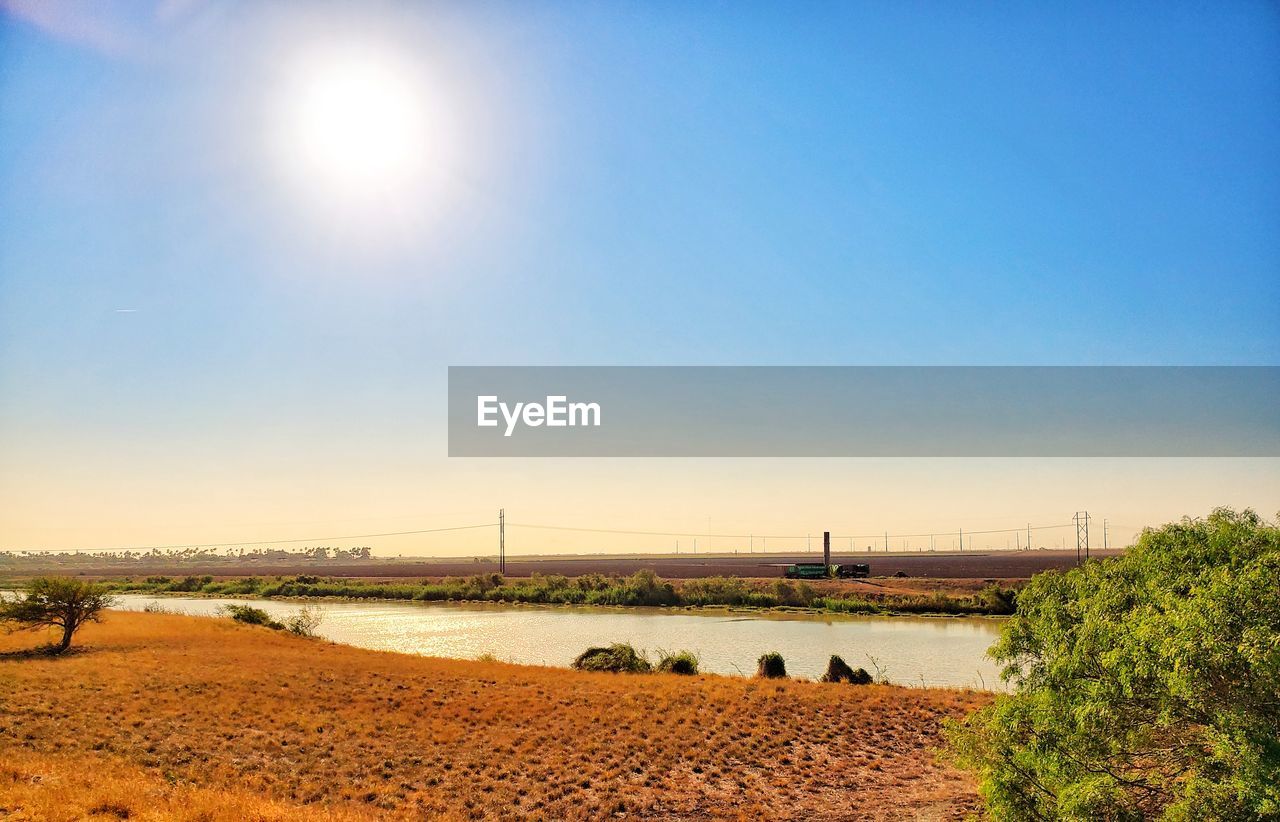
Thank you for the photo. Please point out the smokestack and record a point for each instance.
(826, 548)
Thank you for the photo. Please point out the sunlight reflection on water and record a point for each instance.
(910, 650)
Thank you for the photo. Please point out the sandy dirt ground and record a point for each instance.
(170, 717)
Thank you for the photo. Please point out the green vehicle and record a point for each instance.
(807, 570)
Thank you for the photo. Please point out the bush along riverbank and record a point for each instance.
(643, 588)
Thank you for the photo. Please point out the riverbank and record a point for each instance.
(641, 589)
(236, 720)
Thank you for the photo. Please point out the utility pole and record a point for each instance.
(1082, 534)
(886, 542)
(1028, 536)
(826, 548)
(1105, 544)
(961, 539)
(502, 540)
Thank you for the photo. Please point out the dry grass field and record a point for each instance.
(170, 717)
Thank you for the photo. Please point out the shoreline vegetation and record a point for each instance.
(640, 589)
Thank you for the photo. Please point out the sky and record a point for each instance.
(208, 334)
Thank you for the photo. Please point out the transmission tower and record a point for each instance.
(1082, 534)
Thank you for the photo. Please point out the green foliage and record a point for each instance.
(250, 615)
(56, 602)
(771, 666)
(996, 600)
(190, 584)
(839, 671)
(643, 588)
(678, 662)
(303, 623)
(619, 658)
(1147, 686)
(993, 600)
(848, 605)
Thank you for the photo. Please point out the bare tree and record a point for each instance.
(56, 602)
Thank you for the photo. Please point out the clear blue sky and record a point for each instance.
(656, 183)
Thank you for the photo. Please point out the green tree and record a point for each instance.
(1146, 686)
(56, 602)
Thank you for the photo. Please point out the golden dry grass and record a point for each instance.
(47, 788)
(161, 716)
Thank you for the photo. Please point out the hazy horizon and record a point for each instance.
(742, 496)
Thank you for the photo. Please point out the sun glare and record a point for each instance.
(360, 127)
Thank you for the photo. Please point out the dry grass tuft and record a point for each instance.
(56, 788)
(173, 717)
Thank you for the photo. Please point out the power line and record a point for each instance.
(881, 535)
(292, 541)
(502, 524)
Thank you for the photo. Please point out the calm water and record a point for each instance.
(910, 650)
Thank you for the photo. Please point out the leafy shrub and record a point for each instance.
(250, 615)
(771, 666)
(305, 622)
(996, 600)
(716, 591)
(1146, 685)
(787, 593)
(619, 657)
(839, 671)
(592, 582)
(678, 662)
(647, 588)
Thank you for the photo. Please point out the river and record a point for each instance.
(937, 651)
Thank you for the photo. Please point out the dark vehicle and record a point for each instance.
(806, 570)
(853, 570)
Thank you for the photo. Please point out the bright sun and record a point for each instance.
(360, 127)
